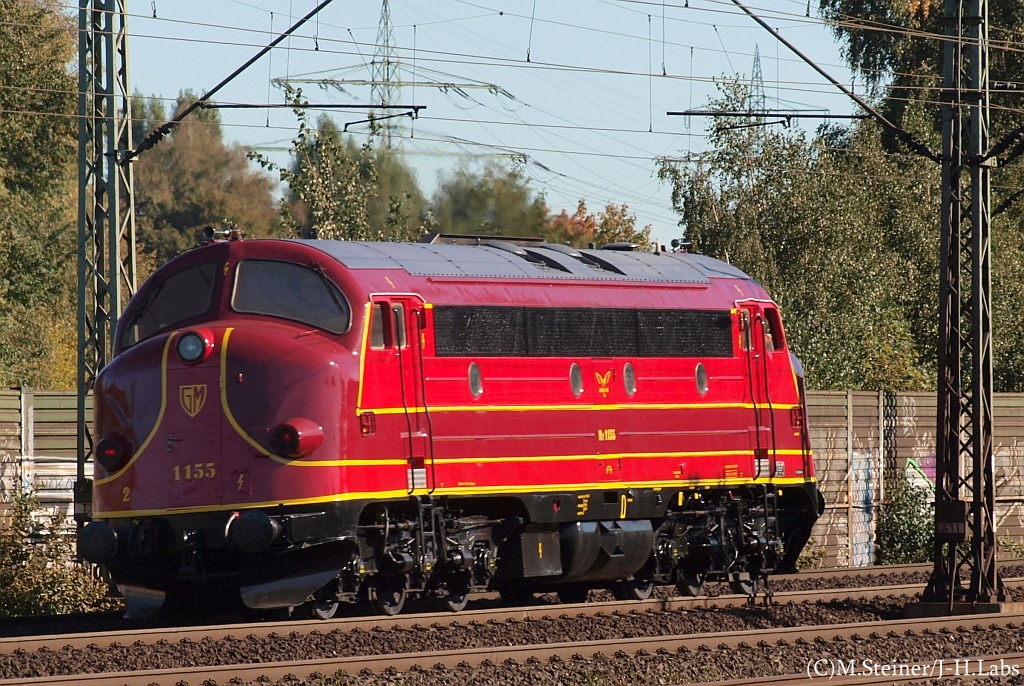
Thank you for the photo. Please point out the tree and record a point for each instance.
(37, 224)
(38, 128)
(614, 224)
(493, 201)
(840, 232)
(329, 187)
(891, 44)
(398, 204)
(577, 230)
(906, 524)
(37, 242)
(38, 572)
(193, 179)
(338, 189)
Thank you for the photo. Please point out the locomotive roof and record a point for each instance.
(542, 261)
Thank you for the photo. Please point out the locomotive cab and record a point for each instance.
(228, 371)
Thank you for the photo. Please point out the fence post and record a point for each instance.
(28, 439)
(849, 475)
(881, 458)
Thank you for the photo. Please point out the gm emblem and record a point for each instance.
(192, 398)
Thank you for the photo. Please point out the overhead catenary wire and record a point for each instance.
(908, 139)
(356, 44)
(162, 130)
(468, 57)
(791, 16)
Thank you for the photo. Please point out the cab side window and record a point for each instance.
(745, 339)
(399, 319)
(772, 331)
(387, 326)
(378, 314)
(769, 338)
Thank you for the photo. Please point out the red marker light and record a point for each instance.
(113, 452)
(297, 437)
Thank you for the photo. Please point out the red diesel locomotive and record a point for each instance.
(304, 423)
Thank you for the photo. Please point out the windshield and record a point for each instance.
(292, 291)
(181, 296)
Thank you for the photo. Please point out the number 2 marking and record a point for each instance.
(126, 494)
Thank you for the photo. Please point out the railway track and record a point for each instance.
(383, 629)
(436, 619)
(819, 639)
(888, 575)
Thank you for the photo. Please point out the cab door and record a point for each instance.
(405, 339)
(756, 339)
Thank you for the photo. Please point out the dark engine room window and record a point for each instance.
(183, 295)
(555, 331)
(493, 331)
(292, 291)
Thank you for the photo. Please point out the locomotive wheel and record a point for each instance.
(387, 595)
(633, 589)
(324, 605)
(572, 594)
(454, 600)
(691, 581)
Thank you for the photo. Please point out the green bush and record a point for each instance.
(38, 571)
(812, 556)
(906, 524)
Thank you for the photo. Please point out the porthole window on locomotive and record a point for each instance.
(476, 381)
(576, 379)
(629, 379)
(702, 378)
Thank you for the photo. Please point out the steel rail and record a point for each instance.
(480, 616)
(304, 669)
(412, 621)
(23, 624)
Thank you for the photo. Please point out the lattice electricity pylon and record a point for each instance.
(964, 475)
(384, 74)
(964, 445)
(756, 101)
(106, 216)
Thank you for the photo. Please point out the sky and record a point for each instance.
(576, 90)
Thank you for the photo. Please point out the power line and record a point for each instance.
(157, 135)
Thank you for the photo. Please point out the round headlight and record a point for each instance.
(191, 348)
